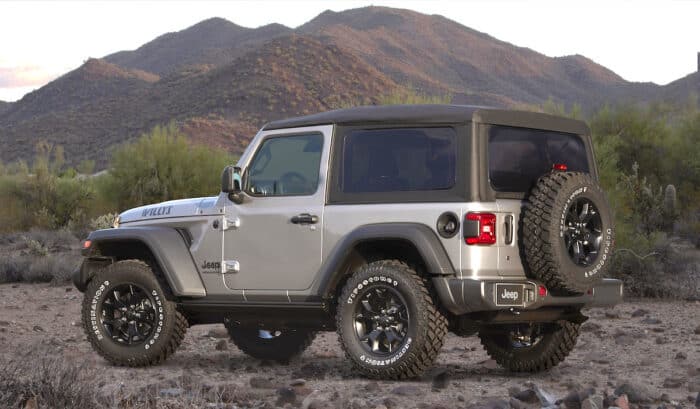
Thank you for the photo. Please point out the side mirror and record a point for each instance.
(232, 183)
(231, 179)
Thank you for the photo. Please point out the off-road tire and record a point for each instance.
(160, 344)
(426, 330)
(552, 349)
(282, 348)
(545, 253)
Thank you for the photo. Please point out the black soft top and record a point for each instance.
(432, 114)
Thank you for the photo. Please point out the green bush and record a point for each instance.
(43, 198)
(163, 165)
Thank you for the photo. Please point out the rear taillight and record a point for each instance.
(480, 228)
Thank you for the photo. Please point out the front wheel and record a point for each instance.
(127, 318)
(529, 347)
(388, 323)
(274, 345)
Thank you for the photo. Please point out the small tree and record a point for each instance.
(163, 165)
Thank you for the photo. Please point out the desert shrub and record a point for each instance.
(163, 165)
(412, 96)
(35, 248)
(53, 240)
(39, 256)
(81, 230)
(53, 268)
(104, 221)
(47, 380)
(37, 377)
(399, 96)
(44, 199)
(13, 268)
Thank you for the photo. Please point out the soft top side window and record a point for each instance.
(399, 160)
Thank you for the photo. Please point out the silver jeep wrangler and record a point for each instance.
(390, 225)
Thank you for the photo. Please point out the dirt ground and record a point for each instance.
(652, 345)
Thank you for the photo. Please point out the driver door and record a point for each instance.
(277, 244)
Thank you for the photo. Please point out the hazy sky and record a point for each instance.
(653, 41)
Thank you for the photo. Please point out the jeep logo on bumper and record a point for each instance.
(509, 294)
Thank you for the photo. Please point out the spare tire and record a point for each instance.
(567, 232)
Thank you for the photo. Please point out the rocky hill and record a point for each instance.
(4, 106)
(100, 105)
(214, 41)
(221, 81)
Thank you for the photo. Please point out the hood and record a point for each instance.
(173, 208)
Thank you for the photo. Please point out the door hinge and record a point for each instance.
(230, 267)
(229, 224)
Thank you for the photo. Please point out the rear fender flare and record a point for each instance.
(422, 237)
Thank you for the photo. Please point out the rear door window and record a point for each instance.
(519, 156)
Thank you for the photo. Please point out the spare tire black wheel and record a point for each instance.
(567, 232)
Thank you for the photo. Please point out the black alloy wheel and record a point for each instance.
(525, 335)
(387, 321)
(128, 314)
(584, 232)
(381, 320)
(128, 318)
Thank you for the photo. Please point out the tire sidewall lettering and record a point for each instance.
(94, 327)
(364, 283)
(391, 359)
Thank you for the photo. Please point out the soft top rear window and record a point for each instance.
(518, 156)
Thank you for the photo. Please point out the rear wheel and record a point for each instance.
(531, 347)
(388, 323)
(274, 345)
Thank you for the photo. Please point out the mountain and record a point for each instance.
(96, 81)
(4, 106)
(222, 106)
(682, 89)
(220, 82)
(214, 41)
(433, 52)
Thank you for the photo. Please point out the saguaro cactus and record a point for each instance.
(670, 200)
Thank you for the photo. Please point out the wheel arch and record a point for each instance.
(163, 248)
(414, 243)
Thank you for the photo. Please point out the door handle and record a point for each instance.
(305, 218)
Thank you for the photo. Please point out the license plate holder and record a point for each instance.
(510, 294)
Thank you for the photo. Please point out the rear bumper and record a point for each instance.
(462, 296)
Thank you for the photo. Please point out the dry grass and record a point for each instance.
(39, 378)
(47, 380)
(38, 256)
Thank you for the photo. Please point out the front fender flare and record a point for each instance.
(169, 251)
